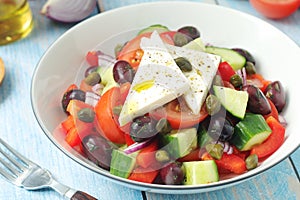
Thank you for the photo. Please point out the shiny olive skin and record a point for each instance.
(123, 72)
(98, 150)
(190, 31)
(257, 101)
(70, 95)
(143, 128)
(275, 92)
(246, 54)
(220, 129)
(172, 174)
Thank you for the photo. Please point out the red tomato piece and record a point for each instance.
(273, 142)
(146, 175)
(146, 156)
(106, 120)
(225, 71)
(128, 139)
(72, 137)
(195, 155)
(124, 90)
(92, 58)
(275, 9)
(178, 115)
(68, 123)
(132, 53)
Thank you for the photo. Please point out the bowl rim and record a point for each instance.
(157, 188)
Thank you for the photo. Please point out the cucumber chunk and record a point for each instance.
(196, 45)
(234, 101)
(179, 143)
(236, 60)
(251, 131)
(121, 164)
(200, 172)
(155, 27)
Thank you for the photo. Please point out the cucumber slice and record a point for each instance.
(179, 143)
(121, 164)
(200, 172)
(156, 27)
(234, 101)
(251, 131)
(203, 136)
(196, 45)
(236, 60)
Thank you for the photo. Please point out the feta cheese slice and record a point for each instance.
(205, 67)
(157, 81)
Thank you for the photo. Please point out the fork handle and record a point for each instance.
(79, 195)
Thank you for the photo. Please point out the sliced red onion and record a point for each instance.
(243, 74)
(282, 120)
(68, 10)
(91, 98)
(105, 60)
(98, 88)
(137, 146)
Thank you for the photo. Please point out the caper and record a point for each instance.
(215, 150)
(236, 80)
(250, 68)
(117, 110)
(213, 104)
(218, 81)
(180, 39)
(163, 126)
(93, 78)
(86, 115)
(184, 64)
(251, 161)
(162, 156)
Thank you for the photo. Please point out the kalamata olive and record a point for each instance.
(276, 94)
(246, 54)
(184, 64)
(70, 95)
(93, 78)
(172, 174)
(90, 70)
(257, 101)
(86, 115)
(190, 31)
(98, 150)
(213, 104)
(123, 72)
(143, 128)
(220, 129)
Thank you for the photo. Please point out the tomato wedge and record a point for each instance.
(132, 53)
(106, 119)
(226, 71)
(178, 115)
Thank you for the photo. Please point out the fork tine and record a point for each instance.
(20, 167)
(9, 166)
(7, 175)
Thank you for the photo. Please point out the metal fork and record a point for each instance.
(26, 174)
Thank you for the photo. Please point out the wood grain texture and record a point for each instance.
(18, 125)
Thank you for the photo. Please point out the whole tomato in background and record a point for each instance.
(275, 9)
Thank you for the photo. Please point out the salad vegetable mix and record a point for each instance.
(168, 109)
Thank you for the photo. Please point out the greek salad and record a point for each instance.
(168, 108)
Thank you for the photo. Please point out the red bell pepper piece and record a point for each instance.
(72, 137)
(273, 142)
(146, 175)
(225, 71)
(146, 157)
(92, 58)
(274, 111)
(230, 162)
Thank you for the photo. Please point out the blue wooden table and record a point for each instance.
(19, 127)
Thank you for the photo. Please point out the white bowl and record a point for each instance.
(277, 59)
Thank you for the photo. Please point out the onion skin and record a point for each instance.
(68, 10)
